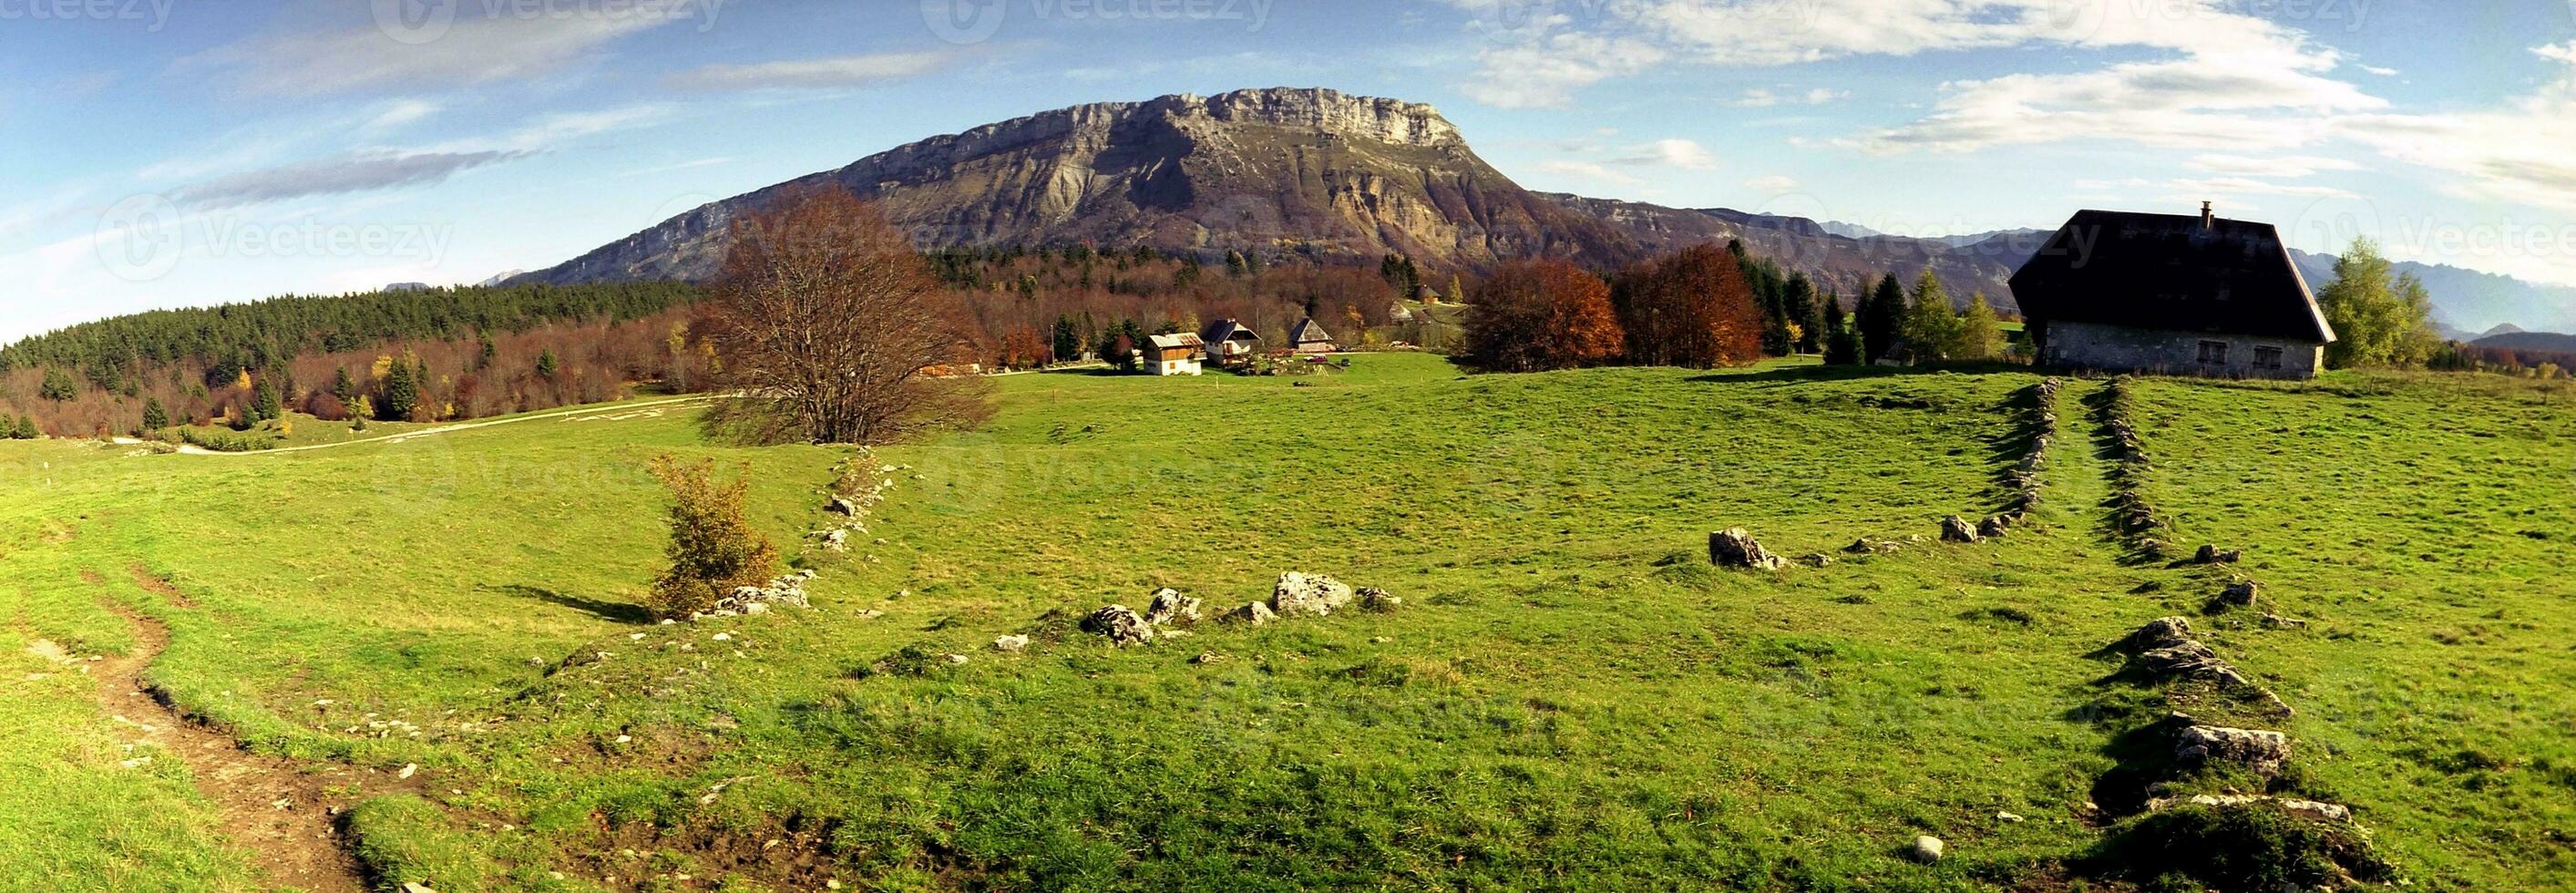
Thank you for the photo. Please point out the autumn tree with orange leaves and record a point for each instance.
(1537, 315)
(1691, 308)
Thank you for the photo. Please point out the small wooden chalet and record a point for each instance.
(1229, 344)
(1309, 337)
(2173, 294)
(1175, 354)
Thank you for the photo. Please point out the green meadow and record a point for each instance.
(1570, 697)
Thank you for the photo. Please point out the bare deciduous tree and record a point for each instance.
(832, 329)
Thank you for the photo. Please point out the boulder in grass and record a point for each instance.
(2240, 593)
(1119, 624)
(2209, 554)
(1377, 600)
(1254, 614)
(1994, 526)
(1955, 529)
(2260, 750)
(1170, 608)
(1735, 547)
(1011, 643)
(2311, 810)
(1301, 593)
(1927, 849)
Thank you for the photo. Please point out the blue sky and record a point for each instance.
(176, 152)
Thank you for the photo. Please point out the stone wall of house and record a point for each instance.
(2083, 345)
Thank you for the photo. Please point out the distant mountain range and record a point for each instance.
(1331, 176)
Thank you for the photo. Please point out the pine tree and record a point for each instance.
(343, 388)
(1457, 291)
(59, 385)
(1932, 326)
(546, 365)
(155, 418)
(402, 393)
(1067, 343)
(1981, 337)
(1842, 345)
(1881, 318)
(267, 403)
(26, 429)
(1806, 320)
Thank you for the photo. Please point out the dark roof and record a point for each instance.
(2170, 271)
(1307, 331)
(1225, 329)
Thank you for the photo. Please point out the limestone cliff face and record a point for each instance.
(1280, 171)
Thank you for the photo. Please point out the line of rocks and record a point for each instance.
(2164, 650)
(2141, 527)
(859, 483)
(1169, 615)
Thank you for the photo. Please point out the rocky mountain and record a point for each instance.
(2520, 340)
(1327, 175)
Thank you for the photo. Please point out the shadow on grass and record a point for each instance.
(613, 612)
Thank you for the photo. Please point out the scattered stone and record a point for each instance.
(1012, 643)
(410, 887)
(2257, 749)
(2008, 817)
(1170, 608)
(1735, 547)
(2311, 810)
(2277, 621)
(2240, 593)
(2209, 554)
(1927, 849)
(1375, 599)
(756, 609)
(2161, 632)
(1955, 529)
(1299, 593)
(407, 770)
(1120, 624)
(1254, 614)
(954, 660)
(1816, 559)
(1867, 546)
(841, 505)
(1207, 657)
(1993, 526)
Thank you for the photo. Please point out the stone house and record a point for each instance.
(2171, 294)
(1309, 337)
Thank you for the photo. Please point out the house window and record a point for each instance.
(2213, 353)
(2267, 356)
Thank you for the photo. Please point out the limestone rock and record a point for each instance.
(1955, 529)
(1735, 547)
(1170, 608)
(1254, 614)
(2240, 593)
(1993, 526)
(2277, 621)
(1926, 849)
(1120, 624)
(1012, 643)
(1300, 593)
(2311, 810)
(2209, 554)
(2257, 749)
(1375, 599)
(1867, 546)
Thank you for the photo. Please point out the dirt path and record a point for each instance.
(285, 816)
(619, 412)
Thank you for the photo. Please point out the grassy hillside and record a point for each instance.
(1569, 699)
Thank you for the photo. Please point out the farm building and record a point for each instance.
(1229, 344)
(1309, 337)
(2171, 293)
(1175, 354)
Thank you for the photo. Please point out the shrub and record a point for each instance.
(713, 550)
(2247, 847)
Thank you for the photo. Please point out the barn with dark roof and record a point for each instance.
(2171, 293)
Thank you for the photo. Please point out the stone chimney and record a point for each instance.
(2207, 220)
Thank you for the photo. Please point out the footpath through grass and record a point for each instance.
(1570, 698)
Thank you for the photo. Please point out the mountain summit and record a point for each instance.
(1307, 171)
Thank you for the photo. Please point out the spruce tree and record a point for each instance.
(155, 418)
(402, 393)
(1880, 318)
(1067, 342)
(26, 429)
(267, 402)
(1841, 343)
(1981, 336)
(1932, 326)
(546, 365)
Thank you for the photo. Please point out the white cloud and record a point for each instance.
(1680, 153)
(1544, 72)
(2382, 72)
(838, 71)
(357, 172)
(1759, 97)
(1775, 183)
(2278, 166)
(481, 44)
(2516, 154)
(1590, 171)
(401, 112)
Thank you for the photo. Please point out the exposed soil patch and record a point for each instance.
(285, 815)
(790, 855)
(161, 586)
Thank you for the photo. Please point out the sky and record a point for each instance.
(159, 153)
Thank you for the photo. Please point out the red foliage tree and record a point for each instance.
(1690, 308)
(1544, 314)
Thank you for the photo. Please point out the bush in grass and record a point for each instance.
(713, 549)
(2246, 847)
